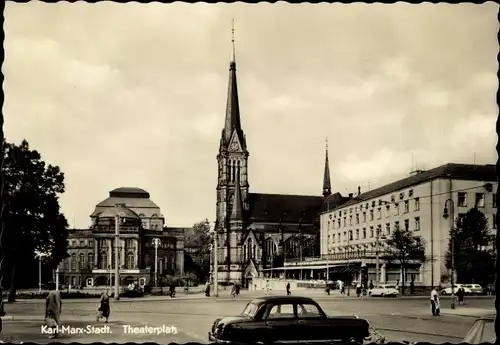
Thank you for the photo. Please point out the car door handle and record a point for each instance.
(301, 322)
(271, 322)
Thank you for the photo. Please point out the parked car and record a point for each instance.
(273, 319)
(482, 331)
(447, 291)
(384, 291)
(475, 289)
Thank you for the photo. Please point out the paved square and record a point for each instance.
(402, 319)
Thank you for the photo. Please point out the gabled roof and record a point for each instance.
(271, 207)
(471, 172)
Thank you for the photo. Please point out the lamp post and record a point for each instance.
(117, 256)
(452, 219)
(40, 255)
(377, 258)
(349, 238)
(156, 244)
(216, 265)
(57, 278)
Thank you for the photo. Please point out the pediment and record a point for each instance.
(234, 143)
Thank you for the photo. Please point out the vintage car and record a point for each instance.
(447, 291)
(482, 331)
(277, 319)
(475, 289)
(383, 291)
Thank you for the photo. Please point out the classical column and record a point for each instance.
(96, 253)
(123, 253)
(136, 253)
(383, 273)
(110, 253)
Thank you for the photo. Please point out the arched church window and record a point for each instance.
(239, 169)
(234, 171)
(229, 172)
(245, 256)
(250, 248)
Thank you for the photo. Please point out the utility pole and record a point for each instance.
(40, 256)
(216, 265)
(117, 257)
(349, 280)
(156, 243)
(452, 232)
(57, 278)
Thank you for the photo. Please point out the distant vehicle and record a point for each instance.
(384, 291)
(482, 331)
(447, 291)
(475, 289)
(279, 319)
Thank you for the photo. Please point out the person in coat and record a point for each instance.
(435, 305)
(460, 295)
(104, 309)
(288, 293)
(53, 307)
(207, 289)
(358, 290)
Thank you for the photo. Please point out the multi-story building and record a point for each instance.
(351, 232)
(91, 260)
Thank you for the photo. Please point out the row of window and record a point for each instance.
(364, 233)
(479, 200)
(337, 223)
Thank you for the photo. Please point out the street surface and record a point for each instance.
(192, 317)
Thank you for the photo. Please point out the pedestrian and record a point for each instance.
(288, 293)
(412, 287)
(233, 290)
(207, 289)
(237, 288)
(371, 285)
(460, 295)
(172, 290)
(327, 289)
(53, 307)
(358, 290)
(435, 305)
(104, 308)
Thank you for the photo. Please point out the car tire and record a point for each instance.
(381, 295)
(443, 293)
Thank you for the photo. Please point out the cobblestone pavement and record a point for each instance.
(398, 319)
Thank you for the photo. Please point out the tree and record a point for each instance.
(32, 217)
(404, 247)
(199, 237)
(474, 255)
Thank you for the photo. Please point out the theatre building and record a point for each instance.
(91, 260)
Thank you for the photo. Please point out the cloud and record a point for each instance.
(135, 95)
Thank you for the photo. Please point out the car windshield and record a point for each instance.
(389, 287)
(250, 310)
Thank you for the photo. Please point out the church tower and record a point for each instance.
(327, 186)
(232, 182)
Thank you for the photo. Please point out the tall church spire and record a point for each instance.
(327, 187)
(237, 211)
(233, 121)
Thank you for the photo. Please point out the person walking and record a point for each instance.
(288, 293)
(104, 309)
(172, 290)
(435, 305)
(371, 285)
(327, 289)
(233, 290)
(237, 288)
(53, 308)
(358, 290)
(460, 295)
(207, 289)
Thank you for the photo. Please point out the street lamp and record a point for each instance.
(156, 244)
(216, 264)
(40, 255)
(452, 233)
(349, 238)
(377, 259)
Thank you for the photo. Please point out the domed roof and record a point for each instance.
(123, 212)
(128, 192)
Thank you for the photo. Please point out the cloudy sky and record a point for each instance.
(134, 95)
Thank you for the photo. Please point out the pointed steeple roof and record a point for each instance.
(233, 121)
(237, 212)
(327, 187)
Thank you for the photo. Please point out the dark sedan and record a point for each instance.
(278, 319)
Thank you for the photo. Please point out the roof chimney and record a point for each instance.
(359, 190)
(350, 195)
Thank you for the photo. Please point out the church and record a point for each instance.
(257, 230)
